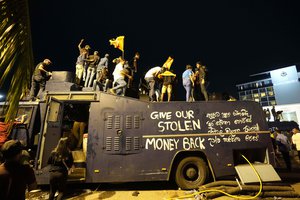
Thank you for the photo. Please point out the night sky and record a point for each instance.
(234, 39)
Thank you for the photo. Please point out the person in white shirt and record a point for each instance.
(119, 79)
(296, 140)
(150, 77)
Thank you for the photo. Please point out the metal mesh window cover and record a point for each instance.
(117, 122)
(112, 144)
(128, 143)
(136, 143)
(116, 144)
(136, 121)
(128, 122)
(108, 144)
(109, 122)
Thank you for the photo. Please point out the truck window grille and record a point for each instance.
(117, 144)
(136, 121)
(117, 122)
(109, 122)
(108, 143)
(128, 123)
(128, 143)
(136, 143)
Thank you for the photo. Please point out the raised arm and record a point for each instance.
(80, 43)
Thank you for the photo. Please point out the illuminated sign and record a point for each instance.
(284, 75)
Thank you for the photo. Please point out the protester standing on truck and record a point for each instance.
(80, 62)
(168, 79)
(86, 52)
(133, 70)
(200, 80)
(188, 82)
(15, 177)
(93, 61)
(119, 73)
(60, 162)
(102, 78)
(151, 79)
(39, 78)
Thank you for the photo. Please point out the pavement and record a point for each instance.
(291, 179)
(165, 191)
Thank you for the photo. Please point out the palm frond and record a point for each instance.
(16, 59)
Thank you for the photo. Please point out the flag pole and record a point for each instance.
(123, 52)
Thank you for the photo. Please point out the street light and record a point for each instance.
(1, 97)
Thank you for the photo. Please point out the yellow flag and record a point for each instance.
(166, 73)
(168, 63)
(118, 42)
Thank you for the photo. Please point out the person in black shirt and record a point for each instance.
(200, 79)
(60, 162)
(39, 78)
(274, 113)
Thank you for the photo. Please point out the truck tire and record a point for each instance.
(191, 172)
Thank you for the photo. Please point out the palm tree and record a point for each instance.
(16, 57)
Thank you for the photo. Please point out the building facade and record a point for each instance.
(276, 87)
(280, 88)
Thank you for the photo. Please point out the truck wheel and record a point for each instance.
(191, 172)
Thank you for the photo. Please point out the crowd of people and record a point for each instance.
(92, 71)
(285, 144)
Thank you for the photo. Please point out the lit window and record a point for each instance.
(271, 93)
(269, 89)
(263, 94)
(256, 99)
(255, 95)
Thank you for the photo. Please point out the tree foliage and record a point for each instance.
(16, 58)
